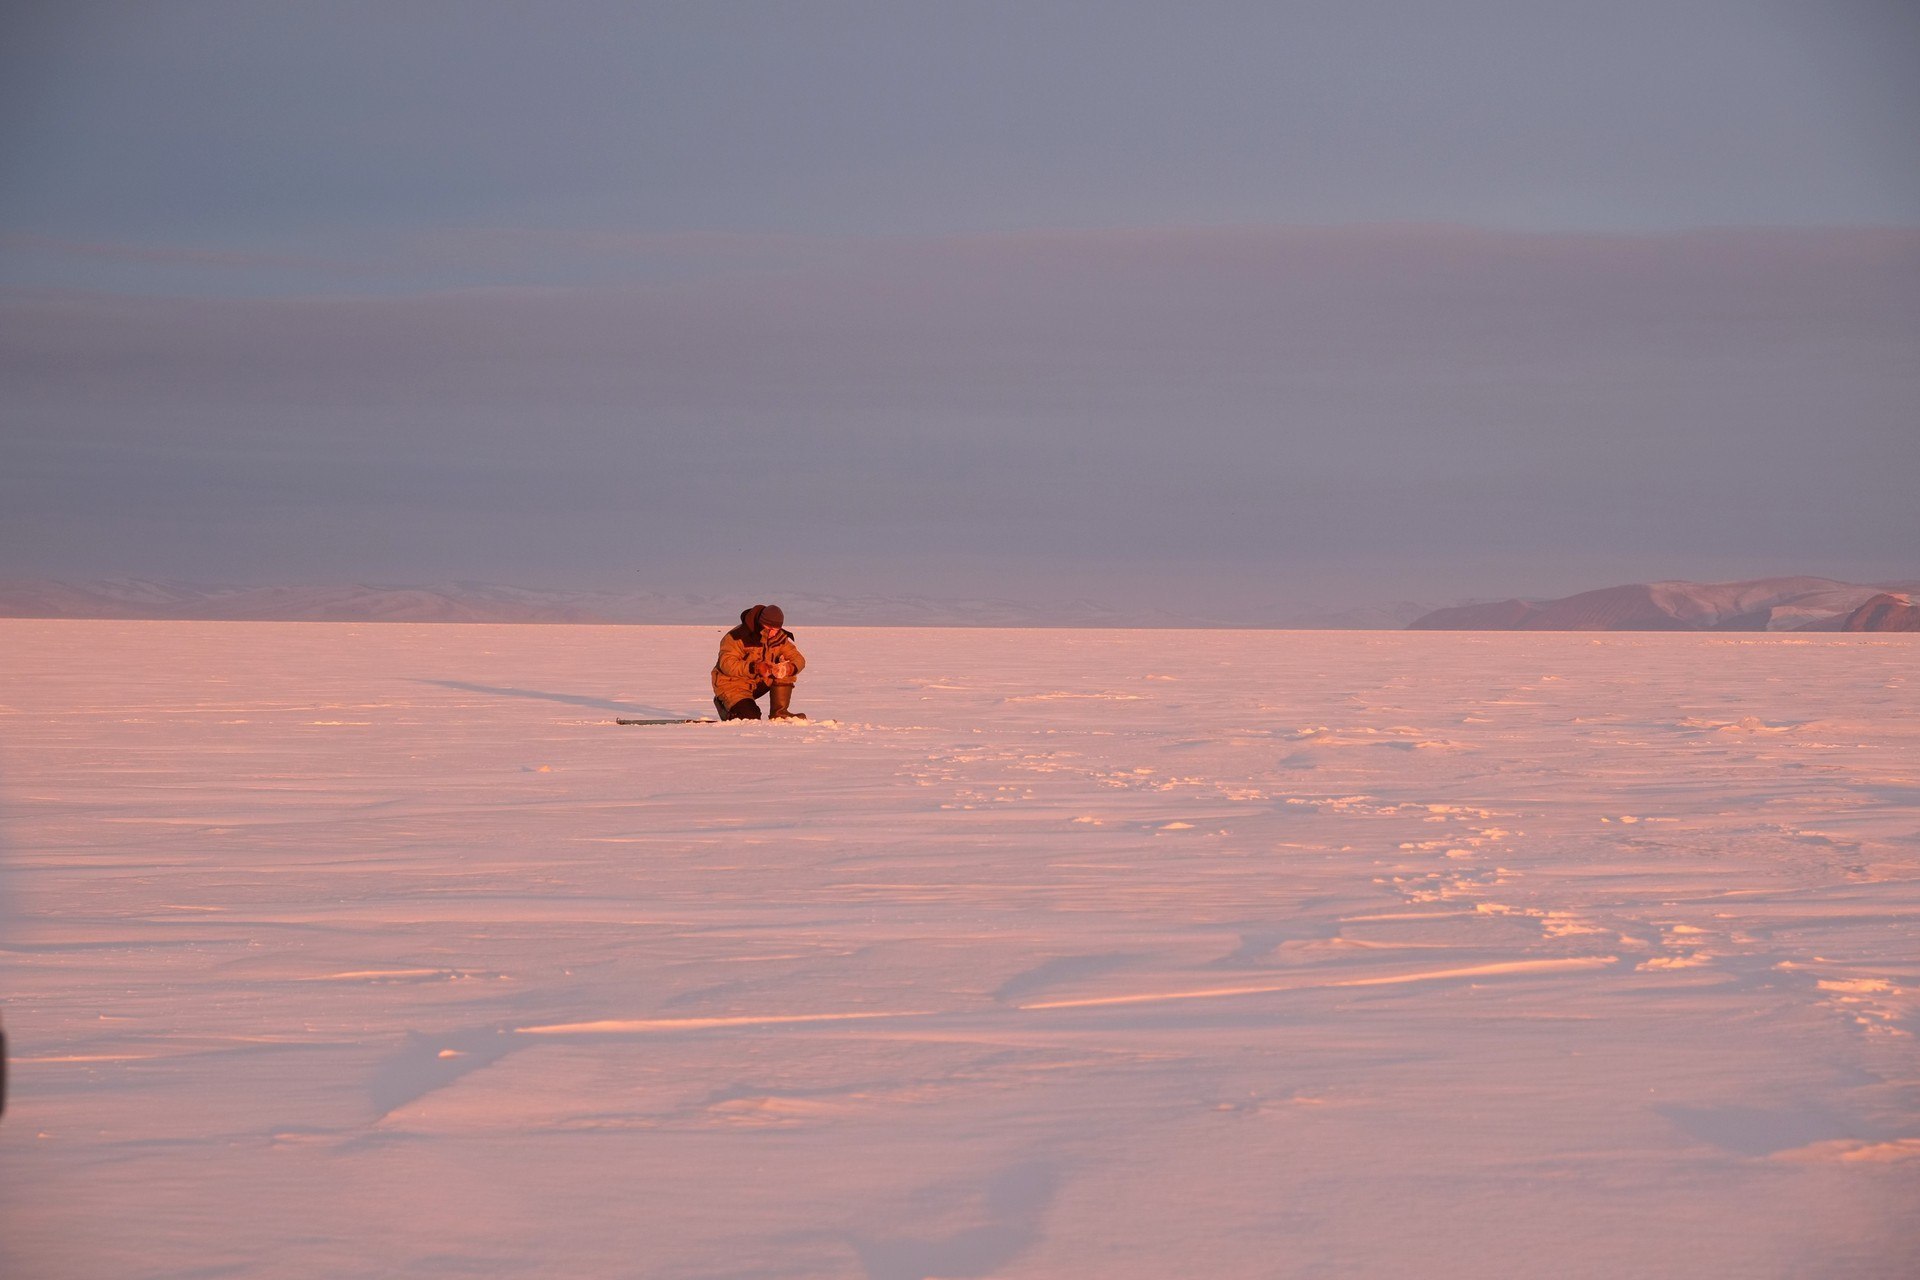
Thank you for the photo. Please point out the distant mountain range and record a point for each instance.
(483, 602)
(1766, 604)
(1763, 604)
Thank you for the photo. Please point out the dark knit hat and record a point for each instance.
(770, 616)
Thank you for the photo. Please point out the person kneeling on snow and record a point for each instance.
(756, 657)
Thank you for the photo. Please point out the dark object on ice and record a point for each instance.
(1885, 612)
(758, 657)
(791, 715)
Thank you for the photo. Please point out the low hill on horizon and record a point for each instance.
(1764, 604)
(1759, 604)
(147, 598)
(1888, 611)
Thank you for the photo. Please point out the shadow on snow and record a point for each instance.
(571, 699)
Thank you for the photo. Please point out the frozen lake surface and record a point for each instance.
(351, 950)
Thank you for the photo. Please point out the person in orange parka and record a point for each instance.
(756, 657)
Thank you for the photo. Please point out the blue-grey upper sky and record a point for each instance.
(1188, 303)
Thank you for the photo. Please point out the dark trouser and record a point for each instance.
(748, 709)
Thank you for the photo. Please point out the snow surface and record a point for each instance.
(355, 950)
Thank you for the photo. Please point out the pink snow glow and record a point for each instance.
(381, 950)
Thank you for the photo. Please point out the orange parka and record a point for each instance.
(742, 647)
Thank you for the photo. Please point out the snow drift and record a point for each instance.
(347, 950)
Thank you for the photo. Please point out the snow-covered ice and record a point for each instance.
(357, 950)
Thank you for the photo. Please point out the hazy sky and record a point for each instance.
(1187, 304)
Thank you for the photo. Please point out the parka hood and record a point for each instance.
(749, 628)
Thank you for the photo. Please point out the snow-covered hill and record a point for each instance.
(1888, 611)
(1761, 604)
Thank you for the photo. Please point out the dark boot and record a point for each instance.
(745, 709)
(781, 695)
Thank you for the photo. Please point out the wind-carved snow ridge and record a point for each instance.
(351, 950)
